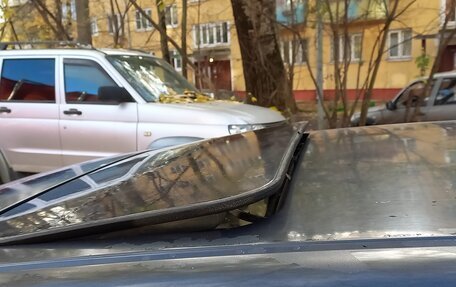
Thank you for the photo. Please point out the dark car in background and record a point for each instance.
(370, 206)
(439, 105)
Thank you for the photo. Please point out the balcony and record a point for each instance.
(291, 12)
(357, 11)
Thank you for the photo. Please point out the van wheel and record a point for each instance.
(6, 173)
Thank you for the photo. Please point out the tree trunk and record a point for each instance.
(163, 37)
(264, 72)
(184, 38)
(83, 22)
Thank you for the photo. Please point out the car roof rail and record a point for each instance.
(47, 44)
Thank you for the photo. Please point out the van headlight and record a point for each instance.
(237, 129)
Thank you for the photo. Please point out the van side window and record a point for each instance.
(446, 93)
(28, 80)
(414, 94)
(83, 79)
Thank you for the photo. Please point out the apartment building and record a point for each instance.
(414, 32)
(211, 37)
(214, 49)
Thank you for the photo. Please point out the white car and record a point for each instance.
(64, 106)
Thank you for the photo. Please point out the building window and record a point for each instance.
(446, 12)
(171, 16)
(114, 23)
(295, 50)
(141, 22)
(211, 34)
(94, 26)
(291, 4)
(176, 60)
(69, 9)
(354, 46)
(400, 44)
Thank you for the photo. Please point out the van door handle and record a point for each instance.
(5, 110)
(72, 112)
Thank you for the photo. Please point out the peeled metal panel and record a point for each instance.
(194, 180)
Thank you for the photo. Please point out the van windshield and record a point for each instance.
(150, 77)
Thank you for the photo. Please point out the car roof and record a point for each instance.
(356, 183)
(73, 52)
(438, 75)
(359, 200)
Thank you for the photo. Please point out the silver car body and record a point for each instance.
(436, 106)
(36, 137)
(369, 206)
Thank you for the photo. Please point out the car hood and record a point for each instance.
(370, 111)
(209, 113)
(149, 188)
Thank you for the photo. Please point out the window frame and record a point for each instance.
(303, 48)
(94, 26)
(171, 16)
(176, 60)
(401, 44)
(64, 61)
(202, 34)
(443, 12)
(36, 57)
(399, 101)
(70, 9)
(142, 20)
(352, 52)
(440, 83)
(111, 23)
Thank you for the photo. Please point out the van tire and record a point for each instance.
(6, 173)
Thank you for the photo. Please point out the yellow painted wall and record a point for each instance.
(209, 11)
(422, 17)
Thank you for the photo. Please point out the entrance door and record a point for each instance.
(217, 75)
(449, 59)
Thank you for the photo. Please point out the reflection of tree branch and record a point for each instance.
(199, 175)
(218, 163)
(165, 191)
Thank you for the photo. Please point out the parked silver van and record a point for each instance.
(64, 106)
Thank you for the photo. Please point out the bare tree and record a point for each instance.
(393, 10)
(184, 38)
(156, 26)
(53, 19)
(161, 9)
(117, 21)
(83, 22)
(264, 72)
(445, 36)
(365, 69)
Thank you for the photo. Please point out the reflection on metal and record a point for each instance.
(375, 182)
(160, 187)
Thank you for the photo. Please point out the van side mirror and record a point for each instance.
(390, 105)
(114, 94)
